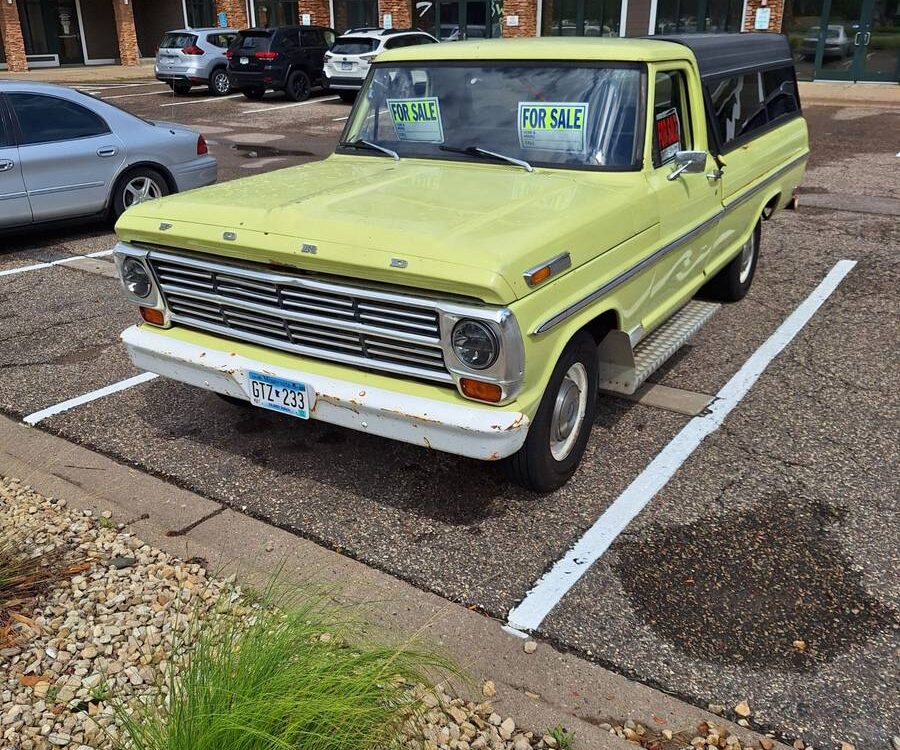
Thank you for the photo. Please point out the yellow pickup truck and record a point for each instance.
(507, 230)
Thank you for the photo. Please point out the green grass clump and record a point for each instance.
(564, 738)
(285, 679)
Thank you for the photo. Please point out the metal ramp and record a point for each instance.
(624, 370)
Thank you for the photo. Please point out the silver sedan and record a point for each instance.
(67, 155)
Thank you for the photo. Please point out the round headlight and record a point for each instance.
(475, 344)
(135, 277)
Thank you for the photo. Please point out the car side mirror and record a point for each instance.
(688, 161)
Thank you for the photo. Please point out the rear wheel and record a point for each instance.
(219, 85)
(138, 186)
(298, 86)
(347, 96)
(560, 430)
(181, 88)
(253, 93)
(733, 282)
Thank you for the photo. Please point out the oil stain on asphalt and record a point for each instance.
(768, 587)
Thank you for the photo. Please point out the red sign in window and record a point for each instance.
(668, 134)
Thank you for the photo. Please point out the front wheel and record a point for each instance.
(560, 430)
(138, 186)
(298, 86)
(733, 282)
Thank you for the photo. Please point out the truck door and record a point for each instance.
(689, 204)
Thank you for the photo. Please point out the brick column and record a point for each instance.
(128, 46)
(235, 11)
(319, 12)
(526, 10)
(400, 10)
(13, 43)
(776, 8)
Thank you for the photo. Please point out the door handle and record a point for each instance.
(6, 165)
(107, 151)
(856, 38)
(867, 39)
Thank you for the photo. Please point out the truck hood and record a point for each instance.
(460, 228)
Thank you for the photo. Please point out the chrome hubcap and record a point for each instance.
(140, 190)
(747, 253)
(568, 411)
(221, 82)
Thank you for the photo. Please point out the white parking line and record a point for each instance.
(556, 583)
(288, 106)
(208, 100)
(50, 411)
(141, 93)
(340, 119)
(50, 264)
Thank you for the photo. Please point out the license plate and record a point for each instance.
(278, 394)
(245, 60)
(346, 66)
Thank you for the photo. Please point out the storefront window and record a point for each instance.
(581, 17)
(270, 13)
(695, 16)
(201, 13)
(355, 14)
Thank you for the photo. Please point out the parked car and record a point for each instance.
(837, 43)
(288, 58)
(195, 57)
(347, 62)
(67, 155)
(540, 219)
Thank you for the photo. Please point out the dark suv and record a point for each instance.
(288, 58)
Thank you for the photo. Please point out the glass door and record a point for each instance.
(877, 42)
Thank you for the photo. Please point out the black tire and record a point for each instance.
(733, 282)
(255, 94)
(219, 85)
(535, 466)
(134, 180)
(347, 96)
(234, 401)
(181, 88)
(298, 86)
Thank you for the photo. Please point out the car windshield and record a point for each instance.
(558, 115)
(249, 40)
(347, 45)
(177, 40)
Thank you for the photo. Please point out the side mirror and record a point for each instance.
(688, 161)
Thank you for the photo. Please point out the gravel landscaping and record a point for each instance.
(103, 636)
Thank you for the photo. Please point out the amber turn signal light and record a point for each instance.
(538, 276)
(482, 391)
(155, 317)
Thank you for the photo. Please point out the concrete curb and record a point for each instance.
(539, 690)
(848, 94)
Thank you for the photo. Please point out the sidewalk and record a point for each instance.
(86, 74)
(849, 94)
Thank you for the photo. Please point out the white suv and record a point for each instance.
(347, 62)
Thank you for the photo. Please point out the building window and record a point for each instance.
(694, 16)
(271, 13)
(201, 13)
(581, 17)
(355, 14)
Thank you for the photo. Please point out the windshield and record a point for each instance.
(549, 114)
(253, 40)
(177, 40)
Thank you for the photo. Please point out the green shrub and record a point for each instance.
(285, 679)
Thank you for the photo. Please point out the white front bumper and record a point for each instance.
(486, 434)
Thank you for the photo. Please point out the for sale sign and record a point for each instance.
(668, 134)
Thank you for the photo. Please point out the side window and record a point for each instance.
(220, 40)
(781, 92)
(6, 138)
(310, 38)
(47, 119)
(745, 104)
(671, 117)
(395, 43)
(287, 41)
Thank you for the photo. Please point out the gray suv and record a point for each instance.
(195, 57)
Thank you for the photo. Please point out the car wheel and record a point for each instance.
(181, 89)
(347, 96)
(733, 282)
(298, 86)
(219, 85)
(560, 430)
(254, 93)
(138, 186)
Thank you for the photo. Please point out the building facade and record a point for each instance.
(832, 39)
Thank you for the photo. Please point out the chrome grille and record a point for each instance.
(369, 328)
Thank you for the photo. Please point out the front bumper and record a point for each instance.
(488, 433)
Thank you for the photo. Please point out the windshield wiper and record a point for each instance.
(485, 154)
(362, 143)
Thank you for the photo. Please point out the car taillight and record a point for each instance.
(202, 148)
(266, 55)
(229, 54)
(192, 50)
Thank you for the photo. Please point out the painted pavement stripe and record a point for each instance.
(50, 264)
(559, 580)
(122, 385)
(209, 100)
(288, 106)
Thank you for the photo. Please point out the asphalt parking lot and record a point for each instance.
(766, 569)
